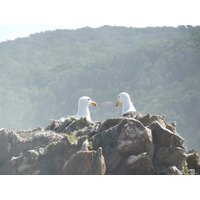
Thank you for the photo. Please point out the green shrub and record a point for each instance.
(185, 169)
(90, 146)
(72, 138)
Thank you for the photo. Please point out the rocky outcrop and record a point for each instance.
(169, 148)
(193, 161)
(132, 144)
(127, 138)
(92, 162)
(73, 126)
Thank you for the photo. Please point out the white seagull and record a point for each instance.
(83, 107)
(125, 100)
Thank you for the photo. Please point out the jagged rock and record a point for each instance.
(109, 123)
(26, 163)
(132, 114)
(192, 172)
(39, 138)
(43, 160)
(11, 144)
(173, 171)
(193, 161)
(54, 156)
(140, 164)
(128, 137)
(92, 162)
(132, 144)
(134, 138)
(148, 119)
(29, 161)
(169, 148)
(164, 137)
(84, 146)
(108, 141)
(73, 125)
(166, 157)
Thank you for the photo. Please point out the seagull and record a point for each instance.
(125, 100)
(83, 107)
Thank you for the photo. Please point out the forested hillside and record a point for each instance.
(42, 76)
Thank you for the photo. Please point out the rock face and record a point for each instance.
(193, 161)
(92, 162)
(127, 138)
(132, 144)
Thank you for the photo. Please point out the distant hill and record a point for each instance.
(42, 76)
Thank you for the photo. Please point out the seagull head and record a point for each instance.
(83, 107)
(86, 101)
(125, 100)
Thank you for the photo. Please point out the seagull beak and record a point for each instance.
(117, 102)
(93, 103)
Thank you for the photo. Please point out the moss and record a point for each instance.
(72, 138)
(185, 169)
(90, 146)
(51, 144)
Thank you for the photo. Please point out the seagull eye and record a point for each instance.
(88, 99)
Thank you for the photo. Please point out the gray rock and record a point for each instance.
(41, 138)
(140, 164)
(78, 126)
(193, 161)
(85, 163)
(109, 123)
(54, 156)
(23, 164)
(46, 160)
(132, 144)
(132, 114)
(166, 157)
(173, 171)
(108, 141)
(84, 146)
(148, 119)
(169, 148)
(128, 137)
(11, 144)
(164, 137)
(134, 138)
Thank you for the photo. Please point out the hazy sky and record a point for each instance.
(22, 17)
